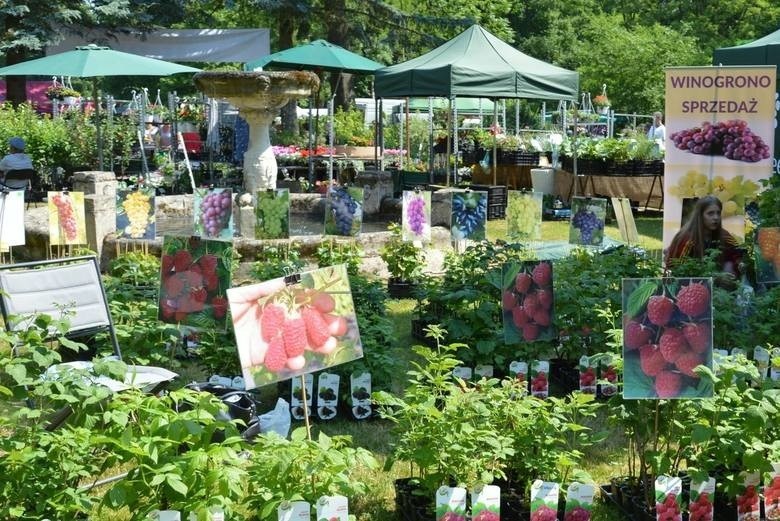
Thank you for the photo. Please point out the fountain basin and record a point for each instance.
(257, 90)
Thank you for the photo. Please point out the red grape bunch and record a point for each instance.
(732, 138)
(65, 216)
(416, 215)
(216, 210)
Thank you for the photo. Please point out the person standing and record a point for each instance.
(657, 130)
(16, 158)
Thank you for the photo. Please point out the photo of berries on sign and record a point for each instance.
(213, 211)
(667, 334)
(767, 252)
(544, 500)
(272, 214)
(344, 211)
(66, 218)
(295, 325)
(527, 301)
(587, 221)
(135, 213)
(416, 216)
(668, 498)
(748, 499)
(195, 274)
(772, 493)
(700, 506)
(469, 215)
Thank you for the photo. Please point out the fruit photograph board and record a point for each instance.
(486, 503)
(767, 251)
(332, 508)
(748, 497)
(451, 504)
(524, 216)
(135, 214)
(416, 216)
(344, 211)
(527, 302)
(668, 498)
(272, 214)
(11, 214)
(667, 334)
(469, 215)
(579, 501)
(772, 493)
(287, 327)
(67, 224)
(719, 139)
(700, 506)
(587, 221)
(194, 278)
(213, 211)
(544, 500)
(625, 220)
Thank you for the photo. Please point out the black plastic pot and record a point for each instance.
(410, 505)
(398, 288)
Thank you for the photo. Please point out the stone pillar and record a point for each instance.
(260, 167)
(377, 186)
(99, 205)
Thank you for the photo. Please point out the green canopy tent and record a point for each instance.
(476, 63)
(319, 55)
(93, 61)
(764, 51)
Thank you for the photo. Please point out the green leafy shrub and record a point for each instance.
(404, 260)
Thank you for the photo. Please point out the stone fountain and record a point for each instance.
(258, 96)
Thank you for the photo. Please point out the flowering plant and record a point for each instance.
(601, 100)
(59, 92)
(190, 111)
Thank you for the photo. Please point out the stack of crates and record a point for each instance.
(497, 199)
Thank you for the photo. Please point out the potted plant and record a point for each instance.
(62, 93)
(405, 262)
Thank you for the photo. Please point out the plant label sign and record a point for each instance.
(135, 214)
(519, 370)
(607, 375)
(748, 500)
(774, 369)
(327, 395)
(587, 375)
(416, 216)
(544, 500)
(294, 511)
(67, 222)
(483, 371)
(701, 506)
(668, 497)
(360, 391)
(718, 357)
(11, 214)
(761, 357)
(579, 501)
(290, 326)
(213, 212)
(486, 503)
(464, 373)
(166, 515)
(272, 213)
(527, 302)
(296, 396)
(772, 493)
(332, 508)
(540, 374)
(451, 504)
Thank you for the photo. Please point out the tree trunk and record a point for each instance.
(286, 40)
(338, 30)
(16, 86)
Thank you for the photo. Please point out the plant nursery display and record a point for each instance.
(587, 221)
(135, 217)
(767, 251)
(272, 214)
(195, 274)
(214, 213)
(527, 301)
(11, 214)
(416, 215)
(289, 327)
(469, 215)
(667, 334)
(66, 218)
(344, 210)
(524, 216)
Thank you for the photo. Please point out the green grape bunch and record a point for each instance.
(732, 192)
(272, 216)
(523, 217)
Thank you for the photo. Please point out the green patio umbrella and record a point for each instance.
(93, 61)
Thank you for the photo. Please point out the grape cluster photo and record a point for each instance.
(733, 192)
(732, 139)
(273, 214)
(416, 216)
(524, 216)
(469, 215)
(667, 334)
(587, 221)
(768, 254)
(135, 217)
(66, 218)
(344, 211)
(527, 302)
(214, 213)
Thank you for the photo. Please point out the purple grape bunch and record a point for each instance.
(216, 209)
(415, 214)
(732, 138)
(343, 207)
(588, 224)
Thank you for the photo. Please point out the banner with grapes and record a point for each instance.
(527, 301)
(135, 213)
(625, 220)
(67, 223)
(719, 139)
(416, 216)
(272, 214)
(195, 274)
(213, 211)
(768, 255)
(524, 216)
(344, 210)
(469, 215)
(587, 221)
(286, 327)
(11, 214)
(667, 334)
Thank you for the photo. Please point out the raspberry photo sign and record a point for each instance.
(527, 301)
(66, 218)
(291, 326)
(135, 214)
(667, 334)
(213, 211)
(195, 274)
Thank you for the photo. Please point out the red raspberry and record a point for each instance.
(271, 320)
(542, 274)
(294, 335)
(209, 263)
(577, 514)
(651, 360)
(337, 326)
(542, 317)
(168, 308)
(219, 306)
(672, 344)
(660, 309)
(316, 327)
(687, 362)
(323, 302)
(545, 298)
(486, 515)
(667, 384)
(698, 336)
(174, 285)
(635, 335)
(211, 281)
(523, 282)
(587, 377)
(519, 317)
(452, 516)
(182, 260)
(610, 374)
(671, 500)
(531, 304)
(199, 295)
(508, 300)
(530, 332)
(166, 263)
(544, 513)
(275, 357)
(694, 299)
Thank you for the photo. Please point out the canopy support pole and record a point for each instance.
(495, 141)
(311, 141)
(95, 97)
(454, 107)
(430, 139)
